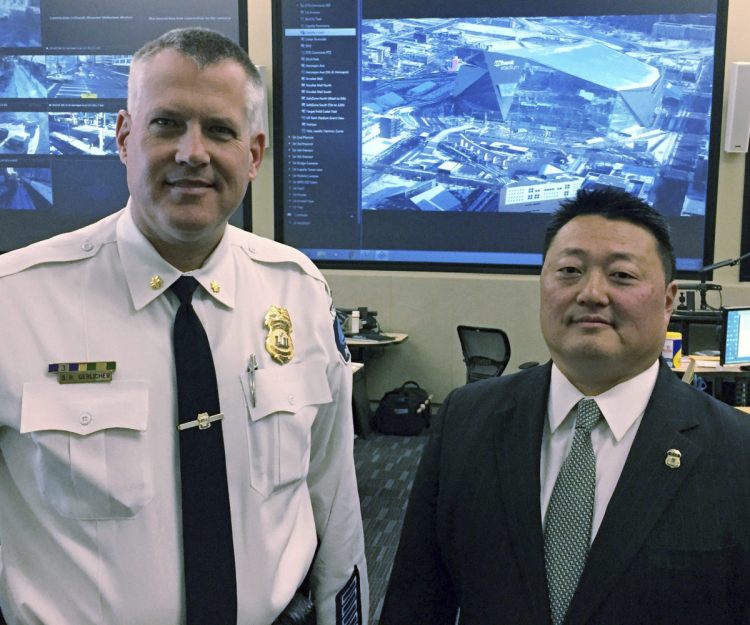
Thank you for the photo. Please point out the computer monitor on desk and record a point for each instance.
(735, 336)
(368, 320)
(701, 330)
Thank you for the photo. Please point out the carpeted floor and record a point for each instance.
(385, 471)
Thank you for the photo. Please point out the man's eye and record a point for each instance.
(623, 275)
(569, 271)
(163, 122)
(223, 131)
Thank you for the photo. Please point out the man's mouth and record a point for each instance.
(190, 183)
(592, 320)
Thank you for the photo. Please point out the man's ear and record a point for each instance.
(670, 298)
(257, 148)
(122, 131)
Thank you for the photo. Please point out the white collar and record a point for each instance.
(621, 405)
(148, 275)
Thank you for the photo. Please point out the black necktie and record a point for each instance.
(210, 584)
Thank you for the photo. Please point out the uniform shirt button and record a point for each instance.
(87, 246)
(291, 400)
(85, 418)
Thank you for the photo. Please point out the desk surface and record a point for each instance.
(707, 365)
(392, 338)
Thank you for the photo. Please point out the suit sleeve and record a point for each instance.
(420, 591)
(333, 490)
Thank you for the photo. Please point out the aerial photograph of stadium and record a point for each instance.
(515, 114)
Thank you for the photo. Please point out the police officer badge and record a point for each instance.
(279, 340)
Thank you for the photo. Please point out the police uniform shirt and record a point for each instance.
(89, 479)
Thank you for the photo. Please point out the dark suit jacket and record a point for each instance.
(672, 547)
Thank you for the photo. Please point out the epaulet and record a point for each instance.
(265, 250)
(68, 247)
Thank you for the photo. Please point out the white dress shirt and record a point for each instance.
(622, 406)
(89, 473)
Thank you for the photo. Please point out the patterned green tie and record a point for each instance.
(567, 529)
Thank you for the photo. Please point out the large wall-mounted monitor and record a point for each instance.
(63, 77)
(441, 135)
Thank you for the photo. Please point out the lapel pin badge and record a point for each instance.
(673, 459)
(279, 340)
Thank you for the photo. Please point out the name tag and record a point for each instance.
(83, 372)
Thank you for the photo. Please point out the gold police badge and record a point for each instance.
(279, 340)
(673, 459)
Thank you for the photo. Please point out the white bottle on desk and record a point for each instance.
(354, 328)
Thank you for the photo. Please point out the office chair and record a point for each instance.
(486, 351)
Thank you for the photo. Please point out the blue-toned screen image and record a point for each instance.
(24, 133)
(25, 188)
(735, 346)
(83, 132)
(512, 115)
(88, 77)
(20, 24)
(22, 77)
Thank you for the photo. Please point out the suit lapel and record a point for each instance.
(518, 440)
(645, 488)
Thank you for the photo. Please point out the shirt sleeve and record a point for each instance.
(333, 490)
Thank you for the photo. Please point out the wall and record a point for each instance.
(429, 306)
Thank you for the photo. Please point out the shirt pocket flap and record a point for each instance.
(288, 388)
(84, 408)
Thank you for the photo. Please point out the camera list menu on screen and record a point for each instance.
(321, 115)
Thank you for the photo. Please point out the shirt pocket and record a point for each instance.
(280, 421)
(90, 461)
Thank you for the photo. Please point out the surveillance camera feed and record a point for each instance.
(443, 135)
(63, 77)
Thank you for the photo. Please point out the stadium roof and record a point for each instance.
(591, 61)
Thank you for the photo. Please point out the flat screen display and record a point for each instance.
(63, 77)
(441, 135)
(735, 338)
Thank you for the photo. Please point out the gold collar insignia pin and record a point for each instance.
(279, 340)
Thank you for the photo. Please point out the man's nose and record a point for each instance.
(191, 147)
(593, 289)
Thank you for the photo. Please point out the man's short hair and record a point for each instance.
(616, 205)
(205, 47)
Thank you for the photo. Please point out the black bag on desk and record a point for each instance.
(404, 411)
